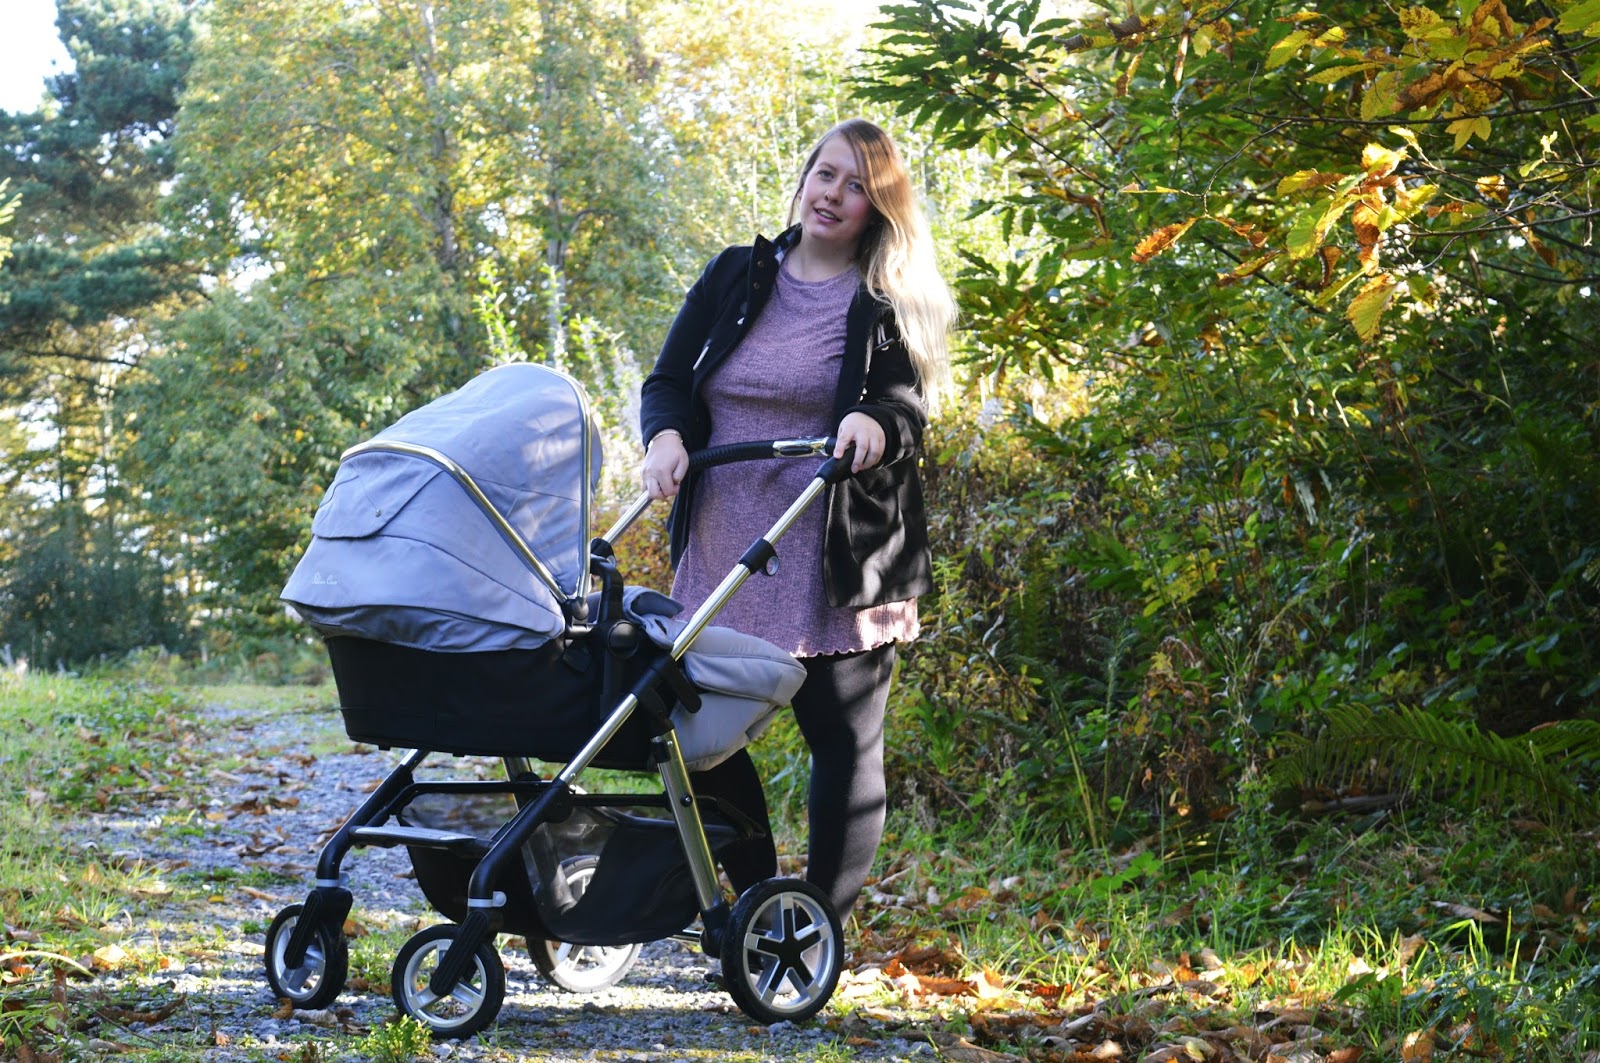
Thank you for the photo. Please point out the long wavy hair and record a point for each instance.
(895, 255)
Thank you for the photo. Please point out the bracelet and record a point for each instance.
(664, 432)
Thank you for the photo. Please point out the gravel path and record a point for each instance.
(253, 849)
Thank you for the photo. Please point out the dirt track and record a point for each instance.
(284, 778)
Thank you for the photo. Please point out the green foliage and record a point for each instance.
(396, 1041)
(1414, 749)
(1297, 308)
(360, 179)
(66, 602)
(69, 747)
(93, 273)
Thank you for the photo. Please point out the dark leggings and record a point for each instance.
(840, 710)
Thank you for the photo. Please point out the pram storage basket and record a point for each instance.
(631, 853)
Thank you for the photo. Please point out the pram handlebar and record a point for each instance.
(729, 453)
(832, 471)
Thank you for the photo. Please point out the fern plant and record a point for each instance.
(1411, 749)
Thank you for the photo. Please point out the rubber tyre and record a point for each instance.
(581, 968)
(317, 982)
(474, 1002)
(783, 951)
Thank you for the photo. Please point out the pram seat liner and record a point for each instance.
(742, 680)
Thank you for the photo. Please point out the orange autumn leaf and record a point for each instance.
(1330, 259)
(933, 985)
(1160, 240)
(1364, 219)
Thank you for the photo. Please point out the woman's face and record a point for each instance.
(834, 209)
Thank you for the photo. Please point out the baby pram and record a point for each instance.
(450, 574)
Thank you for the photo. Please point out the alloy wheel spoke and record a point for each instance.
(771, 983)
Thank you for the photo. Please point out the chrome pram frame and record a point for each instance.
(772, 976)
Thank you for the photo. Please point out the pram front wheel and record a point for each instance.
(581, 968)
(320, 976)
(783, 951)
(470, 1006)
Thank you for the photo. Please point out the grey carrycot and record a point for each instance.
(466, 611)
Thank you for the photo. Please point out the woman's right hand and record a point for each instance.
(666, 462)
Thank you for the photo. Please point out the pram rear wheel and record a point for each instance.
(783, 951)
(320, 977)
(470, 1006)
(581, 968)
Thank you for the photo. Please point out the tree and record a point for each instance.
(1327, 275)
(363, 180)
(92, 267)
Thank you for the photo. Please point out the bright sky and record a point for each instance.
(30, 51)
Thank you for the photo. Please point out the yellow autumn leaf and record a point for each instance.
(1245, 269)
(110, 957)
(1407, 201)
(1407, 135)
(1311, 228)
(1160, 240)
(1466, 128)
(1303, 179)
(1493, 187)
(1285, 49)
(1382, 98)
(1379, 161)
(1419, 23)
(1339, 73)
(1366, 309)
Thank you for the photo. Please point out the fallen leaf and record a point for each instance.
(1463, 911)
(110, 957)
(989, 984)
(1417, 1047)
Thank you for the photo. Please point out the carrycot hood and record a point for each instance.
(402, 551)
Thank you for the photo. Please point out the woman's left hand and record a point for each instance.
(866, 434)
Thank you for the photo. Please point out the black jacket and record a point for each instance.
(875, 539)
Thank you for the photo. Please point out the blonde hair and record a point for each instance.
(895, 255)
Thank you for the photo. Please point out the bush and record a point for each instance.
(65, 603)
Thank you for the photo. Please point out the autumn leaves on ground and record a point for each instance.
(1373, 939)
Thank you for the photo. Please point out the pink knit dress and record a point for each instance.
(779, 383)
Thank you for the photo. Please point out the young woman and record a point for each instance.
(837, 327)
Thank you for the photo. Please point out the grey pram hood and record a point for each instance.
(402, 553)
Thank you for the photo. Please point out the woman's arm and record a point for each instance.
(664, 398)
(892, 400)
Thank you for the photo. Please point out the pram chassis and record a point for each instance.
(306, 956)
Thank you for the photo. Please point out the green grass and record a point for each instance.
(69, 747)
(1359, 927)
(1363, 921)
